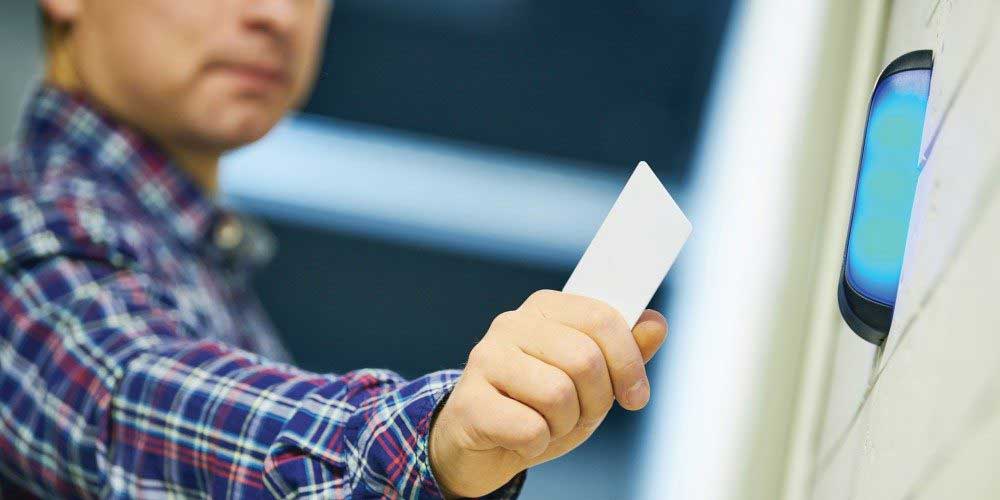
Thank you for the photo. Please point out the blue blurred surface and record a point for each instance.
(423, 191)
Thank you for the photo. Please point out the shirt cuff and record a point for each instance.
(418, 403)
(363, 439)
(369, 443)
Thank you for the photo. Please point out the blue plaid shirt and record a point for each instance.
(135, 361)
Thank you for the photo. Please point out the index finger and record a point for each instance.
(607, 327)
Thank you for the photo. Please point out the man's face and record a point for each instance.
(212, 74)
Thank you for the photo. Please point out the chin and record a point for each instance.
(240, 128)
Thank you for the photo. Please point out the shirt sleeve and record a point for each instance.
(105, 391)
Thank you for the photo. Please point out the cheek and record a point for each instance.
(150, 51)
(309, 44)
(177, 40)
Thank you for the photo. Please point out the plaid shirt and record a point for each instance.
(134, 360)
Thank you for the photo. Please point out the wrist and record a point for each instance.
(435, 455)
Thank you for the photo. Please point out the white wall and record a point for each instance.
(726, 393)
(921, 417)
(773, 395)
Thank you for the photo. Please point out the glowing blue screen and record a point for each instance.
(886, 185)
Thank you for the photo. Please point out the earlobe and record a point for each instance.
(61, 11)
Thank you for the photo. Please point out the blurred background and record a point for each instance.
(453, 158)
(456, 156)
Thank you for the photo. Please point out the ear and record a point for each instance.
(61, 11)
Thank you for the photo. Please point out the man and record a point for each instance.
(134, 361)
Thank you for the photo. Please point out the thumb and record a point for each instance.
(649, 333)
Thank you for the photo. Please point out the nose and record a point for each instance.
(274, 16)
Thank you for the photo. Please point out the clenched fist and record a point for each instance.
(537, 385)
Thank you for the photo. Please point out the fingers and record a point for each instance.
(576, 355)
(543, 387)
(608, 329)
(650, 332)
(507, 423)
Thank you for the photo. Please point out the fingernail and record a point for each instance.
(638, 394)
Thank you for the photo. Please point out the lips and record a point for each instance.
(254, 74)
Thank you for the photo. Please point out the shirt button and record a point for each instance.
(229, 233)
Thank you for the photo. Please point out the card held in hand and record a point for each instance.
(634, 247)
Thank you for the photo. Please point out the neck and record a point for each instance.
(201, 165)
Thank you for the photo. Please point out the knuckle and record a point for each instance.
(541, 296)
(560, 392)
(480, 354)
(533, 430)
(586, 360)
(504, 320)
(603, 318)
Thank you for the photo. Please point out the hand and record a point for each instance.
(537, 385)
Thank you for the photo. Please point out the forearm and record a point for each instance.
(106, 392)
(247, 427)
(204, 419)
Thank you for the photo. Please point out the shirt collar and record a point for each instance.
(57, 120)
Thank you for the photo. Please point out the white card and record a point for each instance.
(634, 248)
